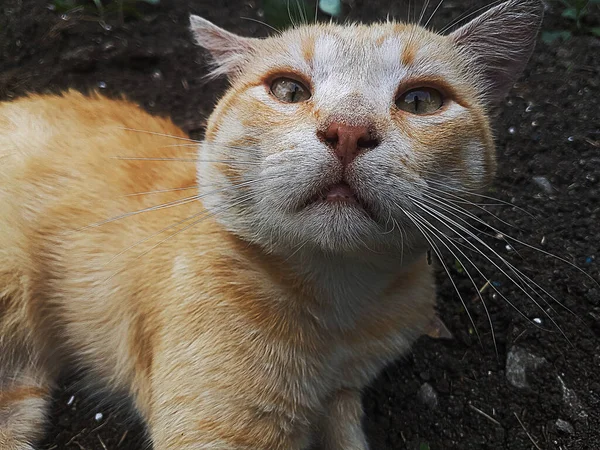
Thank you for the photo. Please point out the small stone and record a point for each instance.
(518, 363)
(543, 183)
(537, 320)
(564, 426)
(102, 85)
(71, 400)
(98, 417)
(512, 130)
(574, 406)
(428, 396)
(157, 75)
(570, 139)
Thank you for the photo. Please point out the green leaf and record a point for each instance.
(595, 31)
(458, 266)
(570, 13)
(424, 446)
(152, 2)
(550, 36)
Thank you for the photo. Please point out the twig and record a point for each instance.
(122, 438)
(101, 442)
(527, 432)
(102, 424)
(75, 437)
(487, 416)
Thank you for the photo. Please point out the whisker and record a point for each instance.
(252, 19)
(423, 10)
(187, 227)
(143, 158)
(433, 13)
(154, 133)
(211, 144)
(478, 251)
(161, 191)
(465, 16)
(199, 197)
(519, 274)
(139, 211)
(433, 230)
(170, 204)
(439, 255)
(476, 194)
(525, 244)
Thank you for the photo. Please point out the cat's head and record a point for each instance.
(331, 136)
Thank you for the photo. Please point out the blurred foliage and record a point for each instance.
(575, 11)
(282, 14)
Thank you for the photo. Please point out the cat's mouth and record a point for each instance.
(340, 194)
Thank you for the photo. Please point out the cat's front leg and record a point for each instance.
(214, 401)
(341, 426)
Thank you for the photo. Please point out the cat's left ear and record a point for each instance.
(499, 43)
(228, 51)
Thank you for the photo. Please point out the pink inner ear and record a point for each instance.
(228, 51)
(500, 42)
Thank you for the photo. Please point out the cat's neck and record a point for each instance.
(346, 286)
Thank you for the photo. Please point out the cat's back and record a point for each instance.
(71, 161)
(88, 152)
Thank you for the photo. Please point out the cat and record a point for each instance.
(246, 292)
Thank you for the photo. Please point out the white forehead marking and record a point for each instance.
(348, 71)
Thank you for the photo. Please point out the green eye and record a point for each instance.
(289, 91)
(420, 101)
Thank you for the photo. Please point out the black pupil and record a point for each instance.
(294, 90)
(418, 97)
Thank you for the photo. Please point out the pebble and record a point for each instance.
(102, 85)
(537, 320)
(428, 396)
(512, 130)
(543, 183)
(157, 75)
(564, 426)
(574, 406)
(98, 417)
(518, 362)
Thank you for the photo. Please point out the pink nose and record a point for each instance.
(348, 141)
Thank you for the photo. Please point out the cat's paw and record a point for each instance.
(22, 414)
(341, 428)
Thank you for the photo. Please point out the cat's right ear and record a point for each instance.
(228, 51)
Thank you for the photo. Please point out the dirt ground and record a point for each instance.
(541, 388)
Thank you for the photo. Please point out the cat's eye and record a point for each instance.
(421, 100)
(289, 91)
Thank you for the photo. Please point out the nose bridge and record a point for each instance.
(348, 100)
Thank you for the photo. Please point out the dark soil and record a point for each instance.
(548, 127)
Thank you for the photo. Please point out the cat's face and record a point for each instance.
(329, 134)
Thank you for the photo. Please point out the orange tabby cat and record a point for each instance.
(245, 302)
